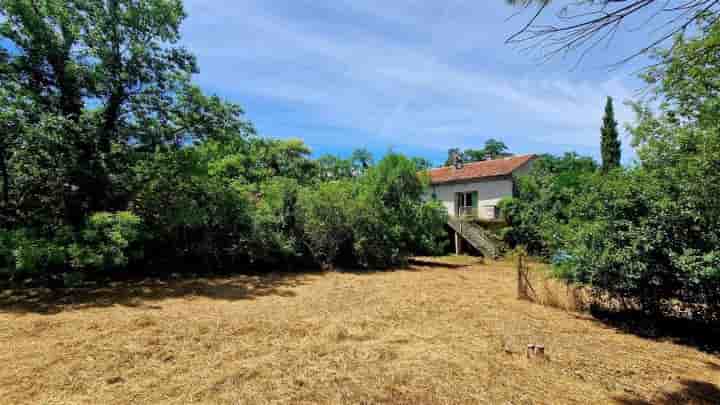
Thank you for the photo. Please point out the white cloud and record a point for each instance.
(401, 91)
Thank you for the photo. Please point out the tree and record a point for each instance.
(541, 210)
(493, 149)
(334, 168)
(361, 159)
(585, 25)
(610, 144)
(326, 213)
(110, 157)
(421, 163)
(11, 121)
(113, 73)
(392, 220)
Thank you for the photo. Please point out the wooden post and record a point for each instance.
(522, 294)
(535, 351)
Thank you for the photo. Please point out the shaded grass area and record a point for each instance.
(698, 334)
(143, 292)
(139, 291)
(701, 334)
(442, 331)
(691, 391)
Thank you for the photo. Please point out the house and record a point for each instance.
(475, 189)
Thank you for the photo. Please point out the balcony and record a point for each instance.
(466, 212)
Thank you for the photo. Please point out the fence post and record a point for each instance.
(521, 274)
(518, 265)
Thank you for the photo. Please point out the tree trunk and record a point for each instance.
(5, 177)
(111, 115)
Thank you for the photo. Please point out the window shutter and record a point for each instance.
(474, 199)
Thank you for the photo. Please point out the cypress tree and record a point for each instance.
(610, 142)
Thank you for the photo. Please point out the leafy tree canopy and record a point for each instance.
(493, 149)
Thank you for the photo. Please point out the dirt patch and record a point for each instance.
(442, 331)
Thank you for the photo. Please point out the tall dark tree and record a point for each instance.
(112, 79)
(610, 142)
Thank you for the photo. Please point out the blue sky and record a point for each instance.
(412, 75)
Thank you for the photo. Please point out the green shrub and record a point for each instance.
(190, 217)
(541, 208)
(375, 240)
(392, 221)
(276, 235)
(109, 241)
(644, 236)
(326, 218)
(430, 236)
(33, 254)
(7, 245)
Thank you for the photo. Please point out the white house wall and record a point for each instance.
(490, 192)
(523, 170)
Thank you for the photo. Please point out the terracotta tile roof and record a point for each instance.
(479, 170)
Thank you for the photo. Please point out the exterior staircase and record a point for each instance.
(478, 237)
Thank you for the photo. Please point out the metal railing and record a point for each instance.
(467, 212)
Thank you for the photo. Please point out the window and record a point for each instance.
(466, 203)
(466, 199)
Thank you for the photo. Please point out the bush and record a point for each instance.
(541, 210)
(647, 234)
(109, 241)
(191, 218)
(326, 216)
(33, 254)
(431, 239)
(642, 239)
(393, 220)
(276, 236)
(376, 242)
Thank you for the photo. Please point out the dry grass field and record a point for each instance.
(440, 332)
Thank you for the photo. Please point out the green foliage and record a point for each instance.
(109, 241)
(32, 253)
(379, 220)
(361, 160)
(610, 143)
(326, 217)
(112, 159)
(276, 234)
(650, 233)
(543, 203)
(191, 217)
(642, 237)
(100, 85)
(334, 168)
(393, 221)
(493, 149)
(421, 164)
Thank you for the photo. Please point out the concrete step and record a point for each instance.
(478, 237)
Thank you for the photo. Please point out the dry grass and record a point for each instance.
(440, 332)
